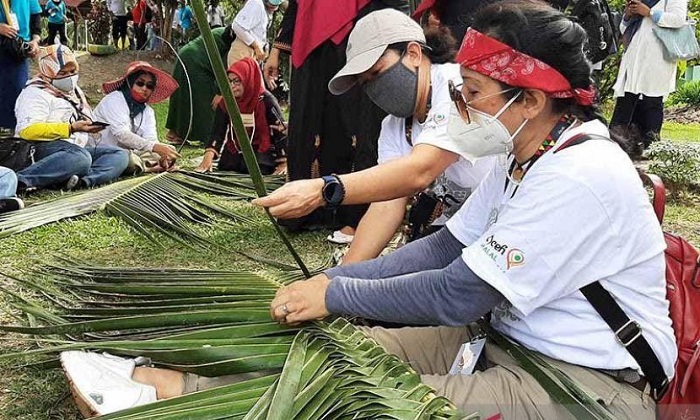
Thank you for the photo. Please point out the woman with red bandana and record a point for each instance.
(561, 215)
(132, 122)
(263, 118)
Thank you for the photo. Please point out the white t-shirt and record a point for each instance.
(114, 110)
(35, 105)
(578, 216)
(117, 7)
(254, 19)
(460, 178)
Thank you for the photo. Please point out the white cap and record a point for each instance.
(368, 41)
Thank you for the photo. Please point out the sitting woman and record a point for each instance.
(563, 211)
(563, 215)
(53, 112)
(132, 122)
(262, 117)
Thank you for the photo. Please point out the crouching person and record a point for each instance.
(132, 122)
(53, 112)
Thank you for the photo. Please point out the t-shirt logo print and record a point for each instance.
(514, 258)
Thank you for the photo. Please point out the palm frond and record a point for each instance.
(327, 370)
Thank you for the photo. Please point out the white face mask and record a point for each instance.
(484, 136)
(66, 84)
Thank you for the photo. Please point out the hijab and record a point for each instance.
(320, 20)
(135, 107)
(251, 102)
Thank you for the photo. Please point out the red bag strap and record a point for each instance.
(659, 197)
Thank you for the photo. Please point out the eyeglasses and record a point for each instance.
(149, 85)
(235, 81)
(458, 99)
(463, 105)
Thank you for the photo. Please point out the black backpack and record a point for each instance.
(601, 26)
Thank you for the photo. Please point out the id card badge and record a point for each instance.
(12, 20)
(468, 355)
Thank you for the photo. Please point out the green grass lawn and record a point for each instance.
(97, 239)
(681, 132)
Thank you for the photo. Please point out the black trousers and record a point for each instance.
(119, 25)
(141, 37)
(640, 112)
(56, 28)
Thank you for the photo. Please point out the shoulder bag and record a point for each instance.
(679, 44)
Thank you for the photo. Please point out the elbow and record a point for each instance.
(421, 180)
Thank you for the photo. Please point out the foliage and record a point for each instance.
(676, 163)
(99, 22)
(215, 323)
(687, 94)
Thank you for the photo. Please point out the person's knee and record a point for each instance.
(78, 159)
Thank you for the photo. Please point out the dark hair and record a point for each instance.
(540, 31)
(440, 46)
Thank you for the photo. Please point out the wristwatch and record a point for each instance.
(333, 191)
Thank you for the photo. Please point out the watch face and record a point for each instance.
(331, 191)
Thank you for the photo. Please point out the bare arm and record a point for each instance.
(398, 178)
(376, 229)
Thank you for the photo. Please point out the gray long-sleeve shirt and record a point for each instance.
(425, 282)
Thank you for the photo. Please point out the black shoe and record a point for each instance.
(10, 204)
(72, 183)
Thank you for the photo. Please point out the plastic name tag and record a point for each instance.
(468, 355)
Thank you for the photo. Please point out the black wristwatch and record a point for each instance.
(333, 191)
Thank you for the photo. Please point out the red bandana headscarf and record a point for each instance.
(499, 61)
(251, 102)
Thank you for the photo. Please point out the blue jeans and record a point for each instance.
(8, 182)
(14, 77)
(58, 160)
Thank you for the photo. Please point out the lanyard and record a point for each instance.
(517, 171)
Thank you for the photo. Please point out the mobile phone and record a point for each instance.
(100, 123)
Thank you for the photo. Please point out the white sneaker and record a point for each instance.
(340, 238)
(102, 384)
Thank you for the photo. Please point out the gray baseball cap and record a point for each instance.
(368, 41)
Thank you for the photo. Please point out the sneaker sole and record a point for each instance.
(87, 410)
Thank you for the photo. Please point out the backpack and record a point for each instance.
(679, 399)
(599, 23)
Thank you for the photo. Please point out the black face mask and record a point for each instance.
(395, 90)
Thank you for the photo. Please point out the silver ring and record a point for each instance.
(285, 310)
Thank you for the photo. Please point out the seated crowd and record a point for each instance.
(75, 146)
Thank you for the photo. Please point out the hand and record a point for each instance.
(167, 153)
(301, 301)
(34, 48)
(207, 163)
(85, 126)
(281, 128)
(8, 31)
(281, 168)
(271, 69)
(638, 8)
(259, 53)
(294, 199)
(216, 100)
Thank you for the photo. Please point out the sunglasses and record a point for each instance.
(462, 104)
(149, 85)
(457, 97)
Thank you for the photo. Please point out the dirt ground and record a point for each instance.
(94, 70)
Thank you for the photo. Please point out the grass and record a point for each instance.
(681, 132)
(34, 394)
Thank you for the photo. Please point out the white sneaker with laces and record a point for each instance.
(101, 383)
